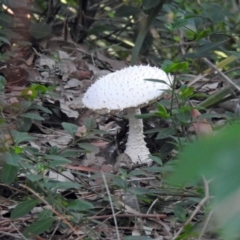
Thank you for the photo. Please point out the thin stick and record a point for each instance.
(205, 225)
(130, 215)
(221, 74)
(111, 204)
(199, 206)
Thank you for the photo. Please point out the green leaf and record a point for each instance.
(34, 177)
(156, 80)
(32, 116)
(156, 159)
(23, 124)
(184, 116)
(127, 10)
(57, 160)
(205, 49)
(70, 128)
(23, 208)
(215, 12)
(162, 111)
(148, 4)
(2, 80)
(176, 67)
(90, 123)
(8, 173)
(89, 147)
(186, 92)
(80, 205)
(166, 132)
(202, 34)
(4, 40)
(40, 30)
(38, 107)
(6, 20)
(12, 158)
(20, 137)
(39, 88)
(45, 214)
(38, 227)
(215, 157)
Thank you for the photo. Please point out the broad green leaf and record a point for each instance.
(176, 67)
(32, 116)
(215, 157)
(40, 30)
(215, 12)
(184, 116)
(12, 158)
(156, 159)
(39, 88)
(23, 208)
(89, 147)
(45, 214)
(178, 23)
(4, 40)
(34, 177)
(38, 227)
(8, 173)
(23, 124)
(38, 107)
(202, 34)
(57, 160)
(70, 128)
(148, 4)
(6, 20)
(2, 80)
(205, 49)
(186, 92)
(20, 137)
(90, 123)
(126, 11)
(80, 205)
(166, 132)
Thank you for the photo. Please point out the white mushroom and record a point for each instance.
(127, 89)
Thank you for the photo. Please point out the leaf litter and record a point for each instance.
(137, 193)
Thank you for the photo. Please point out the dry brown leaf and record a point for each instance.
(100, 143)
(201, 126)
(115, 64)
(81, 131)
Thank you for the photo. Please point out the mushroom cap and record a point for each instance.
(126, 88)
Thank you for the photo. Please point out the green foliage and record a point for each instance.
(215, 158)
(175, 35)
(38, 227)
(23, 208)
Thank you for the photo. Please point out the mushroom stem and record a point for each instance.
(136, 146)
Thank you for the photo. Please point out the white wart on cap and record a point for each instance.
(128, 89)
